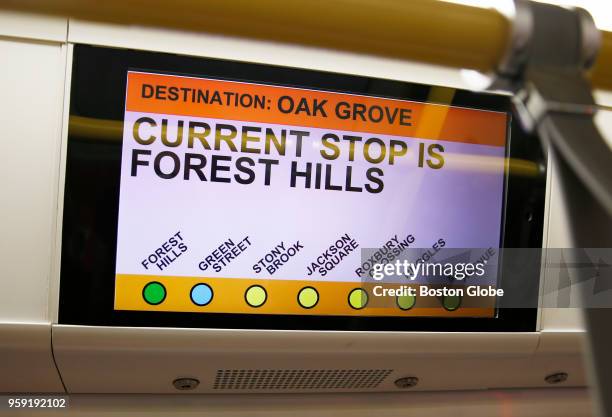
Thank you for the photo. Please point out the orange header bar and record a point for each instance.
(200, 97)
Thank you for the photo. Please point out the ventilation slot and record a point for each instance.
(291, 379)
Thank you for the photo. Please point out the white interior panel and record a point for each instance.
(129, 360)
(33, 26)
(26, 361)
(525, 403)
(32, 90)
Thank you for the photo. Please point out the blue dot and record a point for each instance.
(201, 294)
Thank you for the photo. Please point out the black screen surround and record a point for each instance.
(91, 194)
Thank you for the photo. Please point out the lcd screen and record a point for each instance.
(255, 198)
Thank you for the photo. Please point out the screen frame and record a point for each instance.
(89, 301)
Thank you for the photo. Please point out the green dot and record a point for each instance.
(154, 293)
(406, 302)
(308, 297)
(452, 303)
(255, 296)
(358, 298)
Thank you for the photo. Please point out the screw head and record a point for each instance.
(185, 384)
(556, 378)
(406, 382)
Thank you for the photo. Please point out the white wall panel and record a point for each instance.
(32, 26)
(32, 86)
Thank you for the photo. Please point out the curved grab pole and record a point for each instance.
(430, 31)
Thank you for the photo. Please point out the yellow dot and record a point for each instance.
(452, 302)
(358, 298)
(406, 302)
(308, 297)
(255, 296)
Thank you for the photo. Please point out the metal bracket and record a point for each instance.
(549, 39)
(551, 49)
(544, 66)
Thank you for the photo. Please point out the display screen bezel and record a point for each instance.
(91, 193)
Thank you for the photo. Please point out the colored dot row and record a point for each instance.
(201, 294)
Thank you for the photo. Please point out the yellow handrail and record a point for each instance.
(428, 31)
